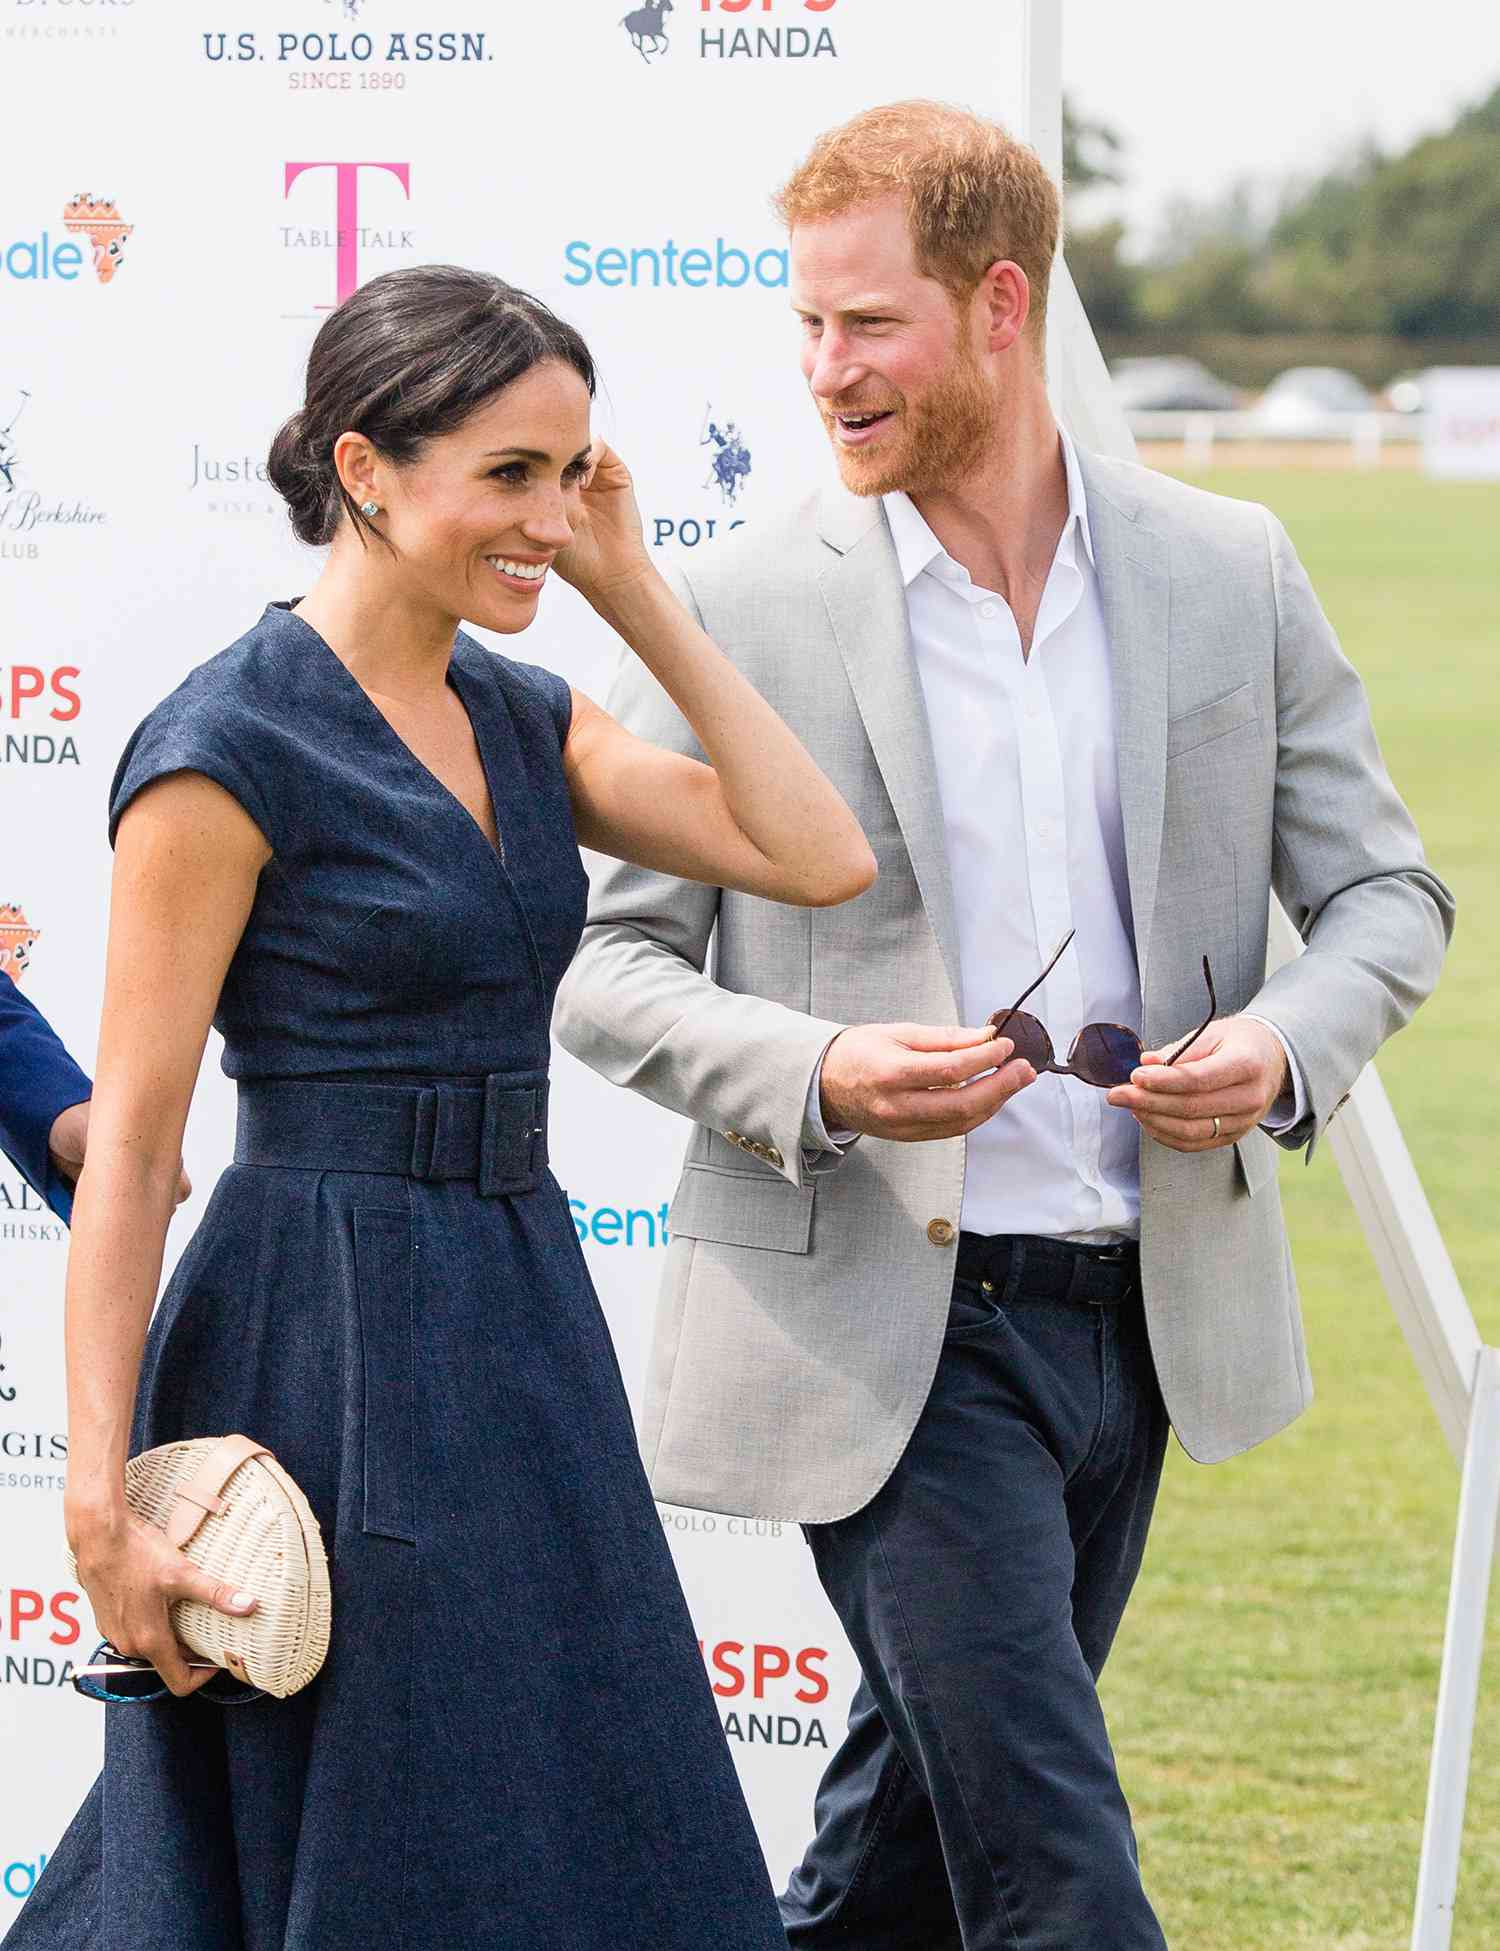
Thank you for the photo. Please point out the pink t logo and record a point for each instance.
(346, 214)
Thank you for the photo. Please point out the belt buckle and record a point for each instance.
(513, 1137)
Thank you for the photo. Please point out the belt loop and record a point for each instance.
(423, 1133)
(539, 1154)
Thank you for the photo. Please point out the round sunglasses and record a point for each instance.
(119, 1679)
(1102, 1054)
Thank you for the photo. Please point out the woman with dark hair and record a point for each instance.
(351, 842)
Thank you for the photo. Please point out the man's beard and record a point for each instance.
(936, 440)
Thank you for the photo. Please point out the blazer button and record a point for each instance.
(940, 1232)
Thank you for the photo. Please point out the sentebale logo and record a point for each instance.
(695, 267)
(17, 938)
(98, 219)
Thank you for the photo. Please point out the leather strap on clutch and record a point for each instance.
(200, 1495)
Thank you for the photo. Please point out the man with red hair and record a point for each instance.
(937, 1294)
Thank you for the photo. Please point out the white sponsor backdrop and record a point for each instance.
(1461, 423)
(625, 183)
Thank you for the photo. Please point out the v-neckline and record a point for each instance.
(494, 848)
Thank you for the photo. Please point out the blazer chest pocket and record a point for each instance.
(1214, 720)
(743, 1209)
(383, 1278)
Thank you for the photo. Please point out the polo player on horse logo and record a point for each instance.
(731, 462)
(645, 25)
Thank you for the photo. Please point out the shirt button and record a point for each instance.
(1033, 706)
(989, 609)
(940, 1232)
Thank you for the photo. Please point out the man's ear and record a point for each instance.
(1005, 298)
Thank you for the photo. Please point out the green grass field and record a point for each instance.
(1272, 1691)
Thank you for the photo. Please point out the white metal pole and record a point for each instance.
(1413, 1262)
(1463, 1651)
(1042, 53)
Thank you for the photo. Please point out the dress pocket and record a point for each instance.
(383, 1281)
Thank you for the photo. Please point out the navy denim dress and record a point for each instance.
(512, 1743)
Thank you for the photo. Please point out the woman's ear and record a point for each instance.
(358, 467)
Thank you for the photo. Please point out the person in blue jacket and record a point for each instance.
(43, 1101)
(44, 1104)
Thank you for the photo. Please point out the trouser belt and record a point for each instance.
(490, 1129)
(1047, 1269)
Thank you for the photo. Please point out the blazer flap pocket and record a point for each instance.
(1257, 1156)
(743, 1209)
(1214, 720)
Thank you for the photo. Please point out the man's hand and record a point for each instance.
(1234, 1072)
(910, 1082)
(68, 1140)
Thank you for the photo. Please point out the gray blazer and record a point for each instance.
(803, 1306)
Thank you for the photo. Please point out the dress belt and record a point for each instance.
(490, 1129)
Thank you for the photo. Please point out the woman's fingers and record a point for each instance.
(170, 1658)
(185, 1581)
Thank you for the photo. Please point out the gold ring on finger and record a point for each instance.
(1216, 1130)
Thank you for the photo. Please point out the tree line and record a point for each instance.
(1394, 257)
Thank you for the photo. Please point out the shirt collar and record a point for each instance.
(917, 548)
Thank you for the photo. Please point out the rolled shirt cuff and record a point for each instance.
(816, 1137)
(1291, 1107)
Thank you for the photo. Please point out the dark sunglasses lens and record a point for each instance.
(138, 1683)
(1027, 1034)
(1105, 1055)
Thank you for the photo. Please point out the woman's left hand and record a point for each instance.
(608, 550)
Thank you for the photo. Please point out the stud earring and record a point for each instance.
(369, 509)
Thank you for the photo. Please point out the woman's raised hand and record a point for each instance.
(132, 1575)
(608, 550)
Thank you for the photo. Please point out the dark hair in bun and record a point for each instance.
(405, 358)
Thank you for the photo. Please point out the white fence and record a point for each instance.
(1366, 434)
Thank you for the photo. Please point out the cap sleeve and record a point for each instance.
(556, 694)
(188, 734)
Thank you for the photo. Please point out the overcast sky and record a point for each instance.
(1204, 92)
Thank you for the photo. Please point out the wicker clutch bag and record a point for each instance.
(228, 1504)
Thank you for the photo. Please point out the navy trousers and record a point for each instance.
(974, 1805)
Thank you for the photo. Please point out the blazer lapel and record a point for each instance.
(866, 602)
(1135, 591)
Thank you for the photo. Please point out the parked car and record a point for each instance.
(1407, 392)
(1169, 385)
(1309, 400)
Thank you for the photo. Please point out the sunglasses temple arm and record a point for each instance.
(1213, 1010)
(1062, 945)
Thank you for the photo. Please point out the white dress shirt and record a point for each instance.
(1024, 748)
